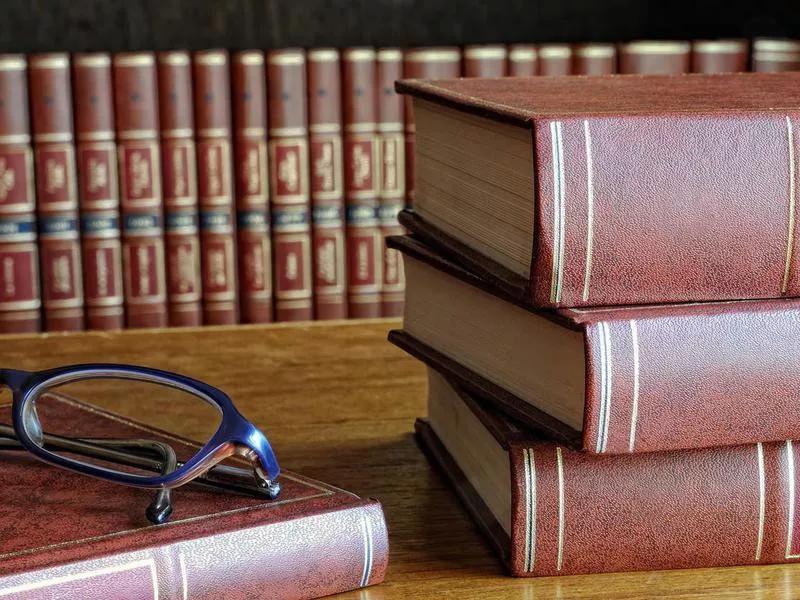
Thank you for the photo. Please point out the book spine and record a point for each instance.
(485, 60)
(523, 60)
(555, 59)
(98, 191)
(594, 59)
(774, 55)
(215, 190)
(424, 63)
(719, 56)
(56, 192)
(655, 57)
(249, 96)
(327, 183)
(289, 185)
(141, 201)
(179, 182)
(349, 551)
(393, 173)
(362, 183)
(20, 295)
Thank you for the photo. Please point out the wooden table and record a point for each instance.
(338, 403)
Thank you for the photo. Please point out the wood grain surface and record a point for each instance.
(338, 403)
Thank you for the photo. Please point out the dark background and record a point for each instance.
(74, 25)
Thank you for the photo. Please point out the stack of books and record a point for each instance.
(601, 278)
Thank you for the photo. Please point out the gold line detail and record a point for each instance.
(790, 520)
(561, 520)
(529, 553)
(558, 211)
(589, 209)
(761, 498)
(605, 386)
(790, 234)
(635, 403)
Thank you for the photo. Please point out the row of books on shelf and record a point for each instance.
(178, 189)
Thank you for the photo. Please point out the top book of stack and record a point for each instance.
(613, 190)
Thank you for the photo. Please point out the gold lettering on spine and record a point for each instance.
(140, 168)
(561, 508)
(7, 179)
(288, 171)
(635, 402)
(8, 277)
(790, 234)
(55, 176)
(323, 167)
(62, 275)
(216, 268)
(589, 209)
(97, 175)
(102, 274)
(761, 499)
(213, 174)
(361, 166)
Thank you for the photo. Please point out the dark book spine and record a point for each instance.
(20, 296)
(655, 57)
(719, 56)
(774, 55)
(594, 59)
(523, 60)
(289, 185)
(485, 60)
(98, 191)
(252, 185)
(136, 116)
(179, 182)
(362, 183)
(393, 175)
(327, 183)
(56, 191)
(555, 59)
(214, 167)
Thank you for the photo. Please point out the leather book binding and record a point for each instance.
(523, 60)
(289, 185)
(249, 98)
(327, 183)
(594, 59)
(98, 191)
(141, 200)
(424, 63)
(775, 55)
(572, 513)
(720, 56)
(56, 191)
(20, 295)
(393, 176)
(179, 179)
(362, 180)
(90, 538)
(555, 59)
(485, 60)
(212, 113)
(655, 57)
(632, 200)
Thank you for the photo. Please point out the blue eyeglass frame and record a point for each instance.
(235, 436)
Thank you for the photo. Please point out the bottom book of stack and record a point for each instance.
(72, 537)
(550, 510)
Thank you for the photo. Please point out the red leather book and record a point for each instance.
(85, 537)
(393, 176)
(485, 60)
(561, 512)
(327, 183)
(555, 59)
(141, 201)
(720, 56)
(179, 179)
(774, 55)
(594, 59)
(289, 185)
(523, 60)
(249, 98)
(636, 190)
(609, 380)
(98, 191)
(56, 191)
(655, 57)
(424, 63)
(212, 112)
(20, 295)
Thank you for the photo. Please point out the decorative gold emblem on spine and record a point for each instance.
(7, 179)
(179, 168)
(140, 169)
(9, 277)
(288, 171)
(323, 167)
(103, 273)
(326, 262)
(56, 176)
(186, 273)
(252, 171)
(292, 266)
(361, 165)
(97, 175)
(143, 258)
(62, 276)
(216, 268)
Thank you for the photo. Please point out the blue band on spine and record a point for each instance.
(96, 224)
(180, 220)
(284, 218)
(362, 215)
(327, 215)
(134, 223)
(215, 220)
(252, 219)
(57, 225)
(15, 226)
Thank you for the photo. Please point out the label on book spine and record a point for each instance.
(326, 166)
(289, 171)
(55, 185)
(292, 249)
(393, 170)
(19, 282)
(16, 180)
(97, 172)
(140, 182)
(143, 254)
(251, 171)
(364, 244)
(363, 171)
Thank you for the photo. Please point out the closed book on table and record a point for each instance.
(655, 57)
(179, 168)
(610, 380)
(591, 191)
(98, 191)
(720, 56)
(56, 191)
(550, 511)
(88, 538)
(20, 294)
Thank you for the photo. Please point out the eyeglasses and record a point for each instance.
(41, 426)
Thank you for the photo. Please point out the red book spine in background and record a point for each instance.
(289, 185)
(655, 57)
(136, 115)
(555, 59)
(212, 109)
(20, 297)
(424, 63)
(719, 56)
(362, 183)
(327, 183)
(594, 59)
(179, 182)
(485, 60)
(98, 191)
(393, 176)
(770, 55)
(523, 60)
(56, 191)
(252, 185)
